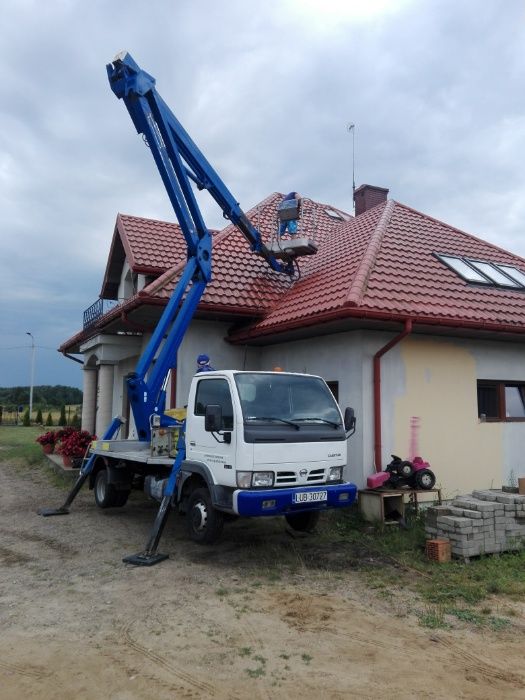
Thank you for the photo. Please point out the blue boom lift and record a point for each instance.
(180, 164)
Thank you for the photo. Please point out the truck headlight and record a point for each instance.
(335, 474)
(262, 479)
(244, 480)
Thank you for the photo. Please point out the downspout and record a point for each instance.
(70, 357)
(377, 390)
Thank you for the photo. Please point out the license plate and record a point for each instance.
(310, 497)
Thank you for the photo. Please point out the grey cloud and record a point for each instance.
(435, 90)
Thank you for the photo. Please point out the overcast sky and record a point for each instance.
(267, 90)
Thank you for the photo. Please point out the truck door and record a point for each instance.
(208, 447)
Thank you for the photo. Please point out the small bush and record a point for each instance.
(39, 419)
(49, 420)
(75, 421)
(26, 420)
(62, 420)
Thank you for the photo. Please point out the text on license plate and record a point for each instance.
(310, 497)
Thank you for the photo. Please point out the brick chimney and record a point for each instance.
(368, 196)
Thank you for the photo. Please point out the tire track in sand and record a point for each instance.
(203, 686)
(22, 670)
(467, 660)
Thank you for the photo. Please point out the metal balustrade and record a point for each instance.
(97, 310)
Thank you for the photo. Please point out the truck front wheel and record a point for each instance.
(303, 522)
(204, 522)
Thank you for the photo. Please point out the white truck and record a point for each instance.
(257, 444)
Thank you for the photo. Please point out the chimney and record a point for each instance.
(368, 196)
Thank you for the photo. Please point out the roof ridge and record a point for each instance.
(120, 228)
(358, 286)
(149, 219)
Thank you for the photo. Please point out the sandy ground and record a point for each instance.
(211, 622)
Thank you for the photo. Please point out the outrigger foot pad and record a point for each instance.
(145, 559)
(46, 512)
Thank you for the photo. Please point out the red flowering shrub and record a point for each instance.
(76, 443)
(64, 433)
(48, 438)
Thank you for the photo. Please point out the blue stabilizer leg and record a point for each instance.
(84, 473)
(150, 556)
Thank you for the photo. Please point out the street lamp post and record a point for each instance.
(32, 374)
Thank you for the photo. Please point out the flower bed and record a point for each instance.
(75, 444)
(47, 440)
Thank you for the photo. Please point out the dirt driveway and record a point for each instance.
(218, 622)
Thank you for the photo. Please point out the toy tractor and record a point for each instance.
(415, 474)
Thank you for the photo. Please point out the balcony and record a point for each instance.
(97, 310)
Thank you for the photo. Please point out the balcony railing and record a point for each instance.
(96, 310)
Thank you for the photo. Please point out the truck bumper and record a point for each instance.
(248, 502)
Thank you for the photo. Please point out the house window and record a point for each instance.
(215, 391)
(501, 401)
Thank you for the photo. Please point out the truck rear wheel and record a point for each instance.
(106, 495)
(203, 521)
(303, 522)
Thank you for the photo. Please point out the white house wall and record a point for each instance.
(208, 337)
(335, 358)
(433, 379)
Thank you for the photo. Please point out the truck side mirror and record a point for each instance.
(350, 420)
(213, 418)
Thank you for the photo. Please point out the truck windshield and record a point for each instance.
(287, 398)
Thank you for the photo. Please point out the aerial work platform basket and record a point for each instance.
(299, 243)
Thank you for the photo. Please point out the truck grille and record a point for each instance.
(315, 476)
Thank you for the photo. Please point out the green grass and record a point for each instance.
(451, 585)
(17, 444)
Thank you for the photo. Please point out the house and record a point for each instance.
(417, 325)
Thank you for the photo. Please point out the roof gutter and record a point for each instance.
(377, 390)
(70, 357)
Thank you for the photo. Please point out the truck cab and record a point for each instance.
(261, 444)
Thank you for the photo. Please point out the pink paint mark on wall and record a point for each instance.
(415, 423)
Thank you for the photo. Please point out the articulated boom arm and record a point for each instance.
(179, 162)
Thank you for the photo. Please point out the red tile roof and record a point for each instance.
(382, 264)
(149, 246)
(241, 281)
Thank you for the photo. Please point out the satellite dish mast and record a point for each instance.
(351, 128)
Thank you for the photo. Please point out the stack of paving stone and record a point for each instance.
(485, 522)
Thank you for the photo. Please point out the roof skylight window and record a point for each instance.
(335, 214)
(492, 272)
(514, 273)
(486, 273)
(463, 269)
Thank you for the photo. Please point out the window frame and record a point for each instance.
(198, 412)
(514, 285)
(500, 386)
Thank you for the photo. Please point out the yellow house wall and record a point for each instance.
(440, 389)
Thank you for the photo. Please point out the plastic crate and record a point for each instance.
(438, 550)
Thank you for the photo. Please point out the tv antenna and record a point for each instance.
(351, 128)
